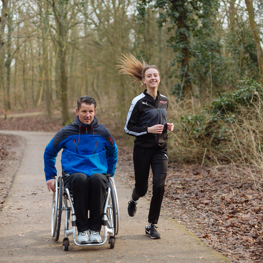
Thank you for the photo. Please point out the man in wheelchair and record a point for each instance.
(89, 153)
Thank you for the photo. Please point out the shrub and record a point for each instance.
(230, 130)
(249, 92)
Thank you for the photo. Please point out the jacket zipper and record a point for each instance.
(159, 122)
(96, 146)
(76, 146)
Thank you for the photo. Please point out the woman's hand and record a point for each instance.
(156, 129)
(170, 127)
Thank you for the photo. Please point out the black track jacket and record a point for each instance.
(145, 111)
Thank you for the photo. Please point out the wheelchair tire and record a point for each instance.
(65, 244)
(115, 207)
(58, 219)
(54, 213)
(112, 242)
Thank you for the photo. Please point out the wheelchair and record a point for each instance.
(63, 202)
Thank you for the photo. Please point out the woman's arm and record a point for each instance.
(131, 127)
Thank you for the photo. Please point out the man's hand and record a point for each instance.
(156, 129)
(51, 185)
(170, 127)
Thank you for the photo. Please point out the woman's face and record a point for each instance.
(151, 78)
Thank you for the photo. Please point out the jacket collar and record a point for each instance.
(157, 97)
(79, 123)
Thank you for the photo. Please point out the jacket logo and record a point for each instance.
(163, 101)
(145, 103)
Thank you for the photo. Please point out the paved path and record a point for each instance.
(25, 224)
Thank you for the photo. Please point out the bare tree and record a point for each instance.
(2, 47)
(60, 13)
(9, 55)
(249, 4)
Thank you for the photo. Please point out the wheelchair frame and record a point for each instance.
(62, 201)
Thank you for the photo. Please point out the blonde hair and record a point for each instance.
(130, 65)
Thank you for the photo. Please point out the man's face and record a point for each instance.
(86, 113)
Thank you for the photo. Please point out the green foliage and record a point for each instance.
(209, 66)
(204, 128)
(248, 93)
(185, 20)
(207, 55)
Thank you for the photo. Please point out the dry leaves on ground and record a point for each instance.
(222, 206)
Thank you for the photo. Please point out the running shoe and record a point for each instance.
(83, 237)
(132, 207)
(152, 232)
(95, 237)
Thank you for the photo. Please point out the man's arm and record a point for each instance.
(111, 155)
(50, 156)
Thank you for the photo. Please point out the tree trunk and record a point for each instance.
(8, 63)
(186, 84)
(72, 77)
(57, 67)
(16, 97)
(24, 78)
(85, 66)
(62, 52)
(33, 72)
(47, 87)
(185, 62)
(249, 4)
(232, 14)
(2, 49)
(64, 85)
(41, 83)
(45, 61)
(8, 60)
(41, 71)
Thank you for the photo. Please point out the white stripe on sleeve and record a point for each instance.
(134, 101)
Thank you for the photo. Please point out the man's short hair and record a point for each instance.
(87, 100)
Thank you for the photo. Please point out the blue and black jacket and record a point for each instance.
(87, 149)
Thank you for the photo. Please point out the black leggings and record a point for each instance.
(157, 159)
(89, 193)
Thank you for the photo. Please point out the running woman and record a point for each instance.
(146, 120)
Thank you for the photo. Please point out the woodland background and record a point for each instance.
(209, 53)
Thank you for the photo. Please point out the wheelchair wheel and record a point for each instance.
(54, 214)
(60, 192)
(112, 242)
(115, 206)
(56, 210)
(65, 244)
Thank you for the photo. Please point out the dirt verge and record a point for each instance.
(11, 150)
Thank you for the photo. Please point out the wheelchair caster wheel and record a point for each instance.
(65, 244)
(112, 242)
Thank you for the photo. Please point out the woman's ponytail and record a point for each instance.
(130, 65)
